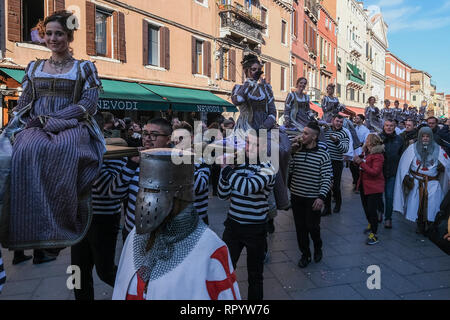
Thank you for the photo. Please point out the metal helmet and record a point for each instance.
(160, 181)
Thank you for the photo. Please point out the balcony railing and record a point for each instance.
(356, 48)
(232, 24)
(253, 18)
(312, 9)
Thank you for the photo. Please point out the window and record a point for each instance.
(305, 32)
(338, 89)
(32, 12)
(329, 52)
(202, 2)
(283, 79)
(283, 32)
(335, 57)
(414, 98)
(226, 64)
(103, 32)
(407, 77)
(393, 68)
(153, 45)
(199, 56)
(392, 91)
(264, 18)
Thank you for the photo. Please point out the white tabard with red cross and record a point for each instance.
(206, 273)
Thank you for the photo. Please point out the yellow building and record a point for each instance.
(187, 53)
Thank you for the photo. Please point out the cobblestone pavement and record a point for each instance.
(411, 266)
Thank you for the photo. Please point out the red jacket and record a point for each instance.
(371, 174)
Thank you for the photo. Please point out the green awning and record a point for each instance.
(121, 95)
(356, 79)
(16, 74)
(182, 99)
(356, 73)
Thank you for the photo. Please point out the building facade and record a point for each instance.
(197, 48)
(398, 80)
(354, 63)
(378, 45)
(421, 89)
(327, 45)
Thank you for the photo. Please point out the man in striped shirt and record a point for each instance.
(310, 182)
(338, 143)
(248, 186)
(98, 248)
(155, 134)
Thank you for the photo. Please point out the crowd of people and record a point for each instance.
(169, 251)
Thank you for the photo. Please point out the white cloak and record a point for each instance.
(202, 275)
(409, 205)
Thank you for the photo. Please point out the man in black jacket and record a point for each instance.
(441, 136)
(393, 145)
(409, 136)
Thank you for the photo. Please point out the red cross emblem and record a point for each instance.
(216, 287)
(445, 156)
(140, 290)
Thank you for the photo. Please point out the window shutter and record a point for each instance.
(194, 57)
(122, 43)
(295, 26)
(144, 42)
(14, 20)
(59, 5)
(208, 58)
(116, 34)
(162, 47)
(282, 78)
(205, 57)
(166, 56)
(294, 75)
(222, 58)
(268, 72)
(90, 29)
(232, 55)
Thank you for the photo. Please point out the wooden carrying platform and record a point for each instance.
(115, 152)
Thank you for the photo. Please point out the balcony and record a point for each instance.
(312, 10)
(354, 78)
(238, 21)
(356, 48)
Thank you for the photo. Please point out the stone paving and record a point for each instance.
(411, 266)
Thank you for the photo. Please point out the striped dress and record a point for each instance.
(201, 189)
(248, 187)
(2, 273)
(53, 165)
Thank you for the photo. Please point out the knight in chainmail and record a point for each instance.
(171, 254)
(257, 111)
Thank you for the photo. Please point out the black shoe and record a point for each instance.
(317, 255)
(42, 258)
(19, 258)
(336, 209)
(304, 261)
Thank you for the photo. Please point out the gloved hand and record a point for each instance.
(34, 123)
(57, 125)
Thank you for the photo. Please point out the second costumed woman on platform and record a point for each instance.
(257, 111)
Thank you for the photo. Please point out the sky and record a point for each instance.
(419, 34)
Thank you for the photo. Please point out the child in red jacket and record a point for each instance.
(371, 182)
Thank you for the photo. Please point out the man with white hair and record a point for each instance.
(422, 180)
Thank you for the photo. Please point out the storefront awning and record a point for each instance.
(355, 74)
(129, 96)
(316, 107)
(16, 74)
(182, 99)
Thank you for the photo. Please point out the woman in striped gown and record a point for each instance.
(58, 155)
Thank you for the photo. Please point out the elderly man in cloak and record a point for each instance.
(422, 180)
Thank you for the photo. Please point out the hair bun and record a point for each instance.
(249, 59)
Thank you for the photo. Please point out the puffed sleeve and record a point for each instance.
(240, 92)
(288, 106)
(272, 110)
(89, 96)
(27, 91)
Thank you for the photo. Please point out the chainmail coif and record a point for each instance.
(172, 245)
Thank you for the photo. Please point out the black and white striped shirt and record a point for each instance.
(310, 171)
(2, 273)
(248, 186)
(111, 185)
(130, 210)
(337, 149)
(201, 189)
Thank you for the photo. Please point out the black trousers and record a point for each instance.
(253, 237)
(215, 175)
(338, 166)
(370, 204)
(307, 223)
(97, 249)
(354, 169)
